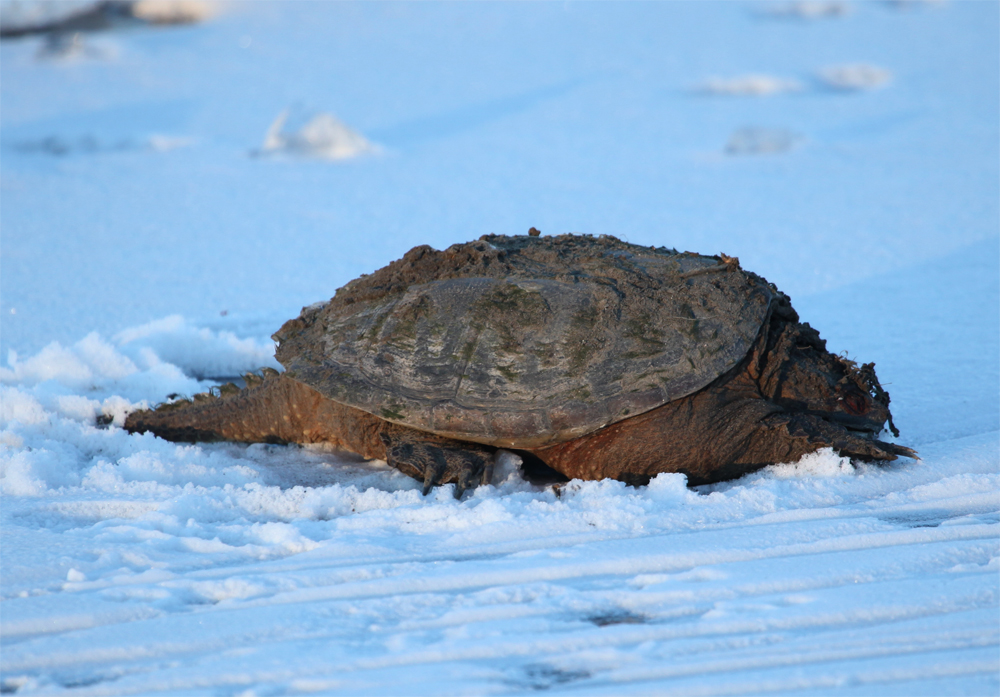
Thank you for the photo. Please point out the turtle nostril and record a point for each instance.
(855, 403)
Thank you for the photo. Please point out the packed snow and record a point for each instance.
(159, 223)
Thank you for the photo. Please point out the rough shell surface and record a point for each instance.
(527, 341)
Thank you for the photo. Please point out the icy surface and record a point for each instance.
(150, 249)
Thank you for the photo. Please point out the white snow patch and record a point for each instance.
(165, 143)
(323, 136)
(78, 366)
(16, 405)
(78, 407)
(36, 471)
(855, 77)
(753, 85)
(761, 141)
(911, 4)
(197, 350)
(806, 9)
(822, 463)
(507, 472)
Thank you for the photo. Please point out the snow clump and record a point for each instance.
(807, 9)
(761, 141)
(750, 85)
(855, 77)
(324, 136)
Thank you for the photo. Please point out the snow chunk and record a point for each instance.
(34, 472)
(911, 4)
(78, 366)
(16, 405)
(761, 141)
(73, 381)
(78, 407)
(807, 9)
(750, 85)
(324, 136)
(668, 487)
(164, 143)
(855, 77)
(822, 463)
(507, 470)
(199, 351)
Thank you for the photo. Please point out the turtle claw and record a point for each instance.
(436, 462)
(871, 450)
(487, 475)
(822, 433)
(470, 477)
(432, 477)
(898, 450)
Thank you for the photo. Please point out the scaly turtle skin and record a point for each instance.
(598, 357)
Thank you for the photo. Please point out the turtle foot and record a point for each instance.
(821, 433)
(898, 450)
(434, 462)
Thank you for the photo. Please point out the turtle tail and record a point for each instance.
(272, 408)
(250, 415)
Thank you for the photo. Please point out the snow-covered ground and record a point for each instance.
(169, 196)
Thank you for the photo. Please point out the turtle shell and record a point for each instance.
(527, 341)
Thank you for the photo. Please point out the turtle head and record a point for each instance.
(862, 400)
(858, 408)
(802, 376)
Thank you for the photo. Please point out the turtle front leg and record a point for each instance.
(723, 432)
(436, 461)
(787, 437)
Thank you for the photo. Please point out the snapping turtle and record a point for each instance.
(597, 357)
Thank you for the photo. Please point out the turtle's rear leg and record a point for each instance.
(435, 460)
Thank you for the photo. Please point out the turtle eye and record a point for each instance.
(855, 403)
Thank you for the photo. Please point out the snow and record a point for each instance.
(323, 136)
(751, 85)
(847, 152)
(806, 9)
(855, 77)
